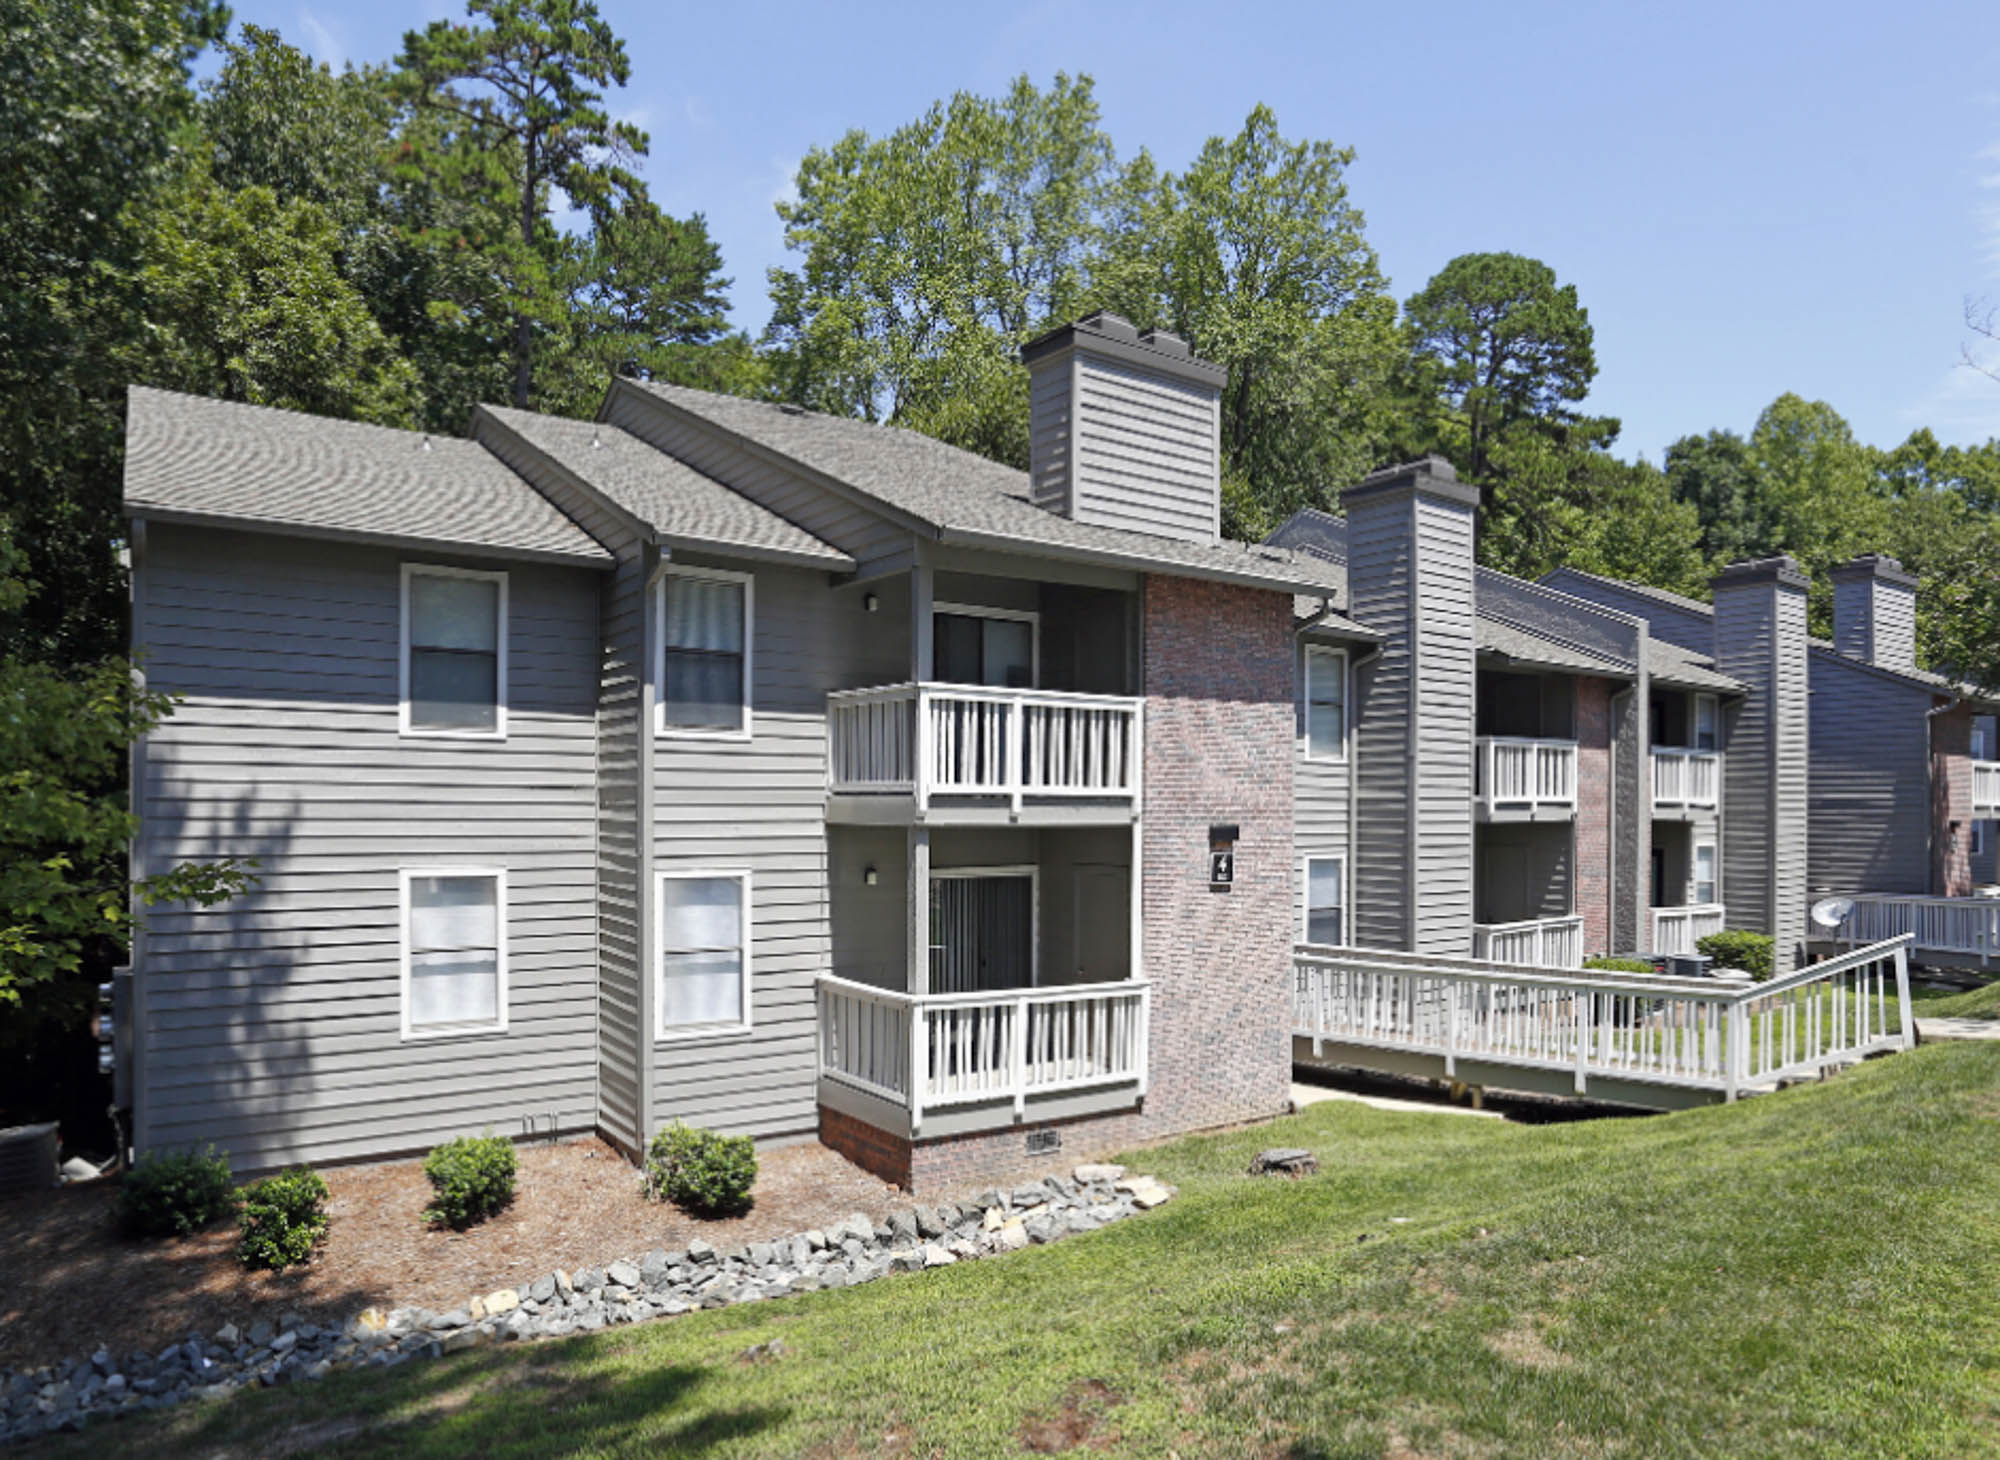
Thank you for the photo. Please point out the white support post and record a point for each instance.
(920, 1079)
(1451, 1029)
(1739, 1048)
(917, 928)
(1908, 1021)
(1142, 1054)
(1012, 750)
(1584, 1024)
(1018, 1057)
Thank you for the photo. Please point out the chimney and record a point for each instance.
(1875, 611)
(1760, 638)
(1410, 576)
(1124, 429)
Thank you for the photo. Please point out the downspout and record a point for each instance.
(1931, 854)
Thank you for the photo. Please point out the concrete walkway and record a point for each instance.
(1304, 1095)
(1928, 1029)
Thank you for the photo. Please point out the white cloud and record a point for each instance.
(1961, 406)
(785, 182)
(698, 114)
(324, 41)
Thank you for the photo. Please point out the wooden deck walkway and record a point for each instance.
(1659, 1043)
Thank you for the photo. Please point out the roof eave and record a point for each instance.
(1139, 562)
(598, 561)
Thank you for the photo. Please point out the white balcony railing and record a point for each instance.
(1679, 929)
(1686, 780)
(1966, 927)
(927, 1051)
(1544, 942)
(928, 740)
(1986, 790)
(1524, 775)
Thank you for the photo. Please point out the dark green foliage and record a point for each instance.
(1741, 949)
(283, 1218)
(1619, 965)
(471, 1178)
(704, 1173)
(173, 1193)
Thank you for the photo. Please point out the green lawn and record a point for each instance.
(1810, 1273)
(1979, 1003)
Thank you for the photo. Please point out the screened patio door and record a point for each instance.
(982, 931)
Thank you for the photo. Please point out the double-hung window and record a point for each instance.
(704, 953)
(454, 656)
(1704, 874)
(1325, 917)
(1326, 702)
(705, 679)
(454, 950)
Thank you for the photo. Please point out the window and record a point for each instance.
(704, 952)
(1325, 919)
(1704, 873)
(1326, 703)
(1980, 749)
(982, 929)
(706, 679)
(454, 950)
(1704, 722)
(1978, 838)
(454, 657)
(991, 646)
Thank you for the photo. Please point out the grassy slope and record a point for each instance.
(1980, 1003)
(1809, 1273)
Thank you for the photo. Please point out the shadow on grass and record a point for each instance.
(541, 1399)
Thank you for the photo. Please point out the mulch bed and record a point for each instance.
(69, 1281)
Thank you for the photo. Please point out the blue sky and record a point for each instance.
(1749, 199)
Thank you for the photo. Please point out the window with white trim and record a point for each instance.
(454, 950)
(1325, 901)
(1702, 879)
(705, 636)
(1326, 702)
(454, 652)
(1705, 737)
(971, 644)
(704, 953)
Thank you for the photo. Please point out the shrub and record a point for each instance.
(173, 1193)
(1619, 965)
(700, 1171)
(471, 1179)
(283, 1217)
(1739, 948)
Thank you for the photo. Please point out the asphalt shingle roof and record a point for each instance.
(256, 466)
(676, 500)
(1672, 664)
(979, 502)
(1510, 641)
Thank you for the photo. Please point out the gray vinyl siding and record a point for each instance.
(1410, 575)
(1049, 436)
(760, 805)
(1145, 452)
(1322, 803)
(273, 1023)
(1691, 630)
(621, 711)
(1871, 800)
(876, 543)
(1760, 638)
(1875, 621)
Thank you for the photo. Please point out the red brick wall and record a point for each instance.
(1951, 800)
(1594, 802)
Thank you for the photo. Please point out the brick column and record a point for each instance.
(1951, 801)
(1218, 685)
(1594, 801)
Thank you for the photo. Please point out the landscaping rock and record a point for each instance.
(624, 1274)
(1102, 1173)
(1284, 1161)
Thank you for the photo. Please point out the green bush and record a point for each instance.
(1739, 948)
(173, 1193)
(283, 1217)
(700, 1171)
(471, 1179)
(1619, 965)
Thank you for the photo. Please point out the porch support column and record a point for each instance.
(918, 923)
(922, 578)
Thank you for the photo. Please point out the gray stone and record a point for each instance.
(816, 1239)
(623, 1274)
(284, 1343)
(936, 1256)
(589, 1280)
(762, 1254)
(261, 1333)
(1030, 1194)
(1284, 1161)
(700, 1251)
(464, 1339)
(1098, 1173)
(929, 1224)
(456, 1318)
(542, 1289)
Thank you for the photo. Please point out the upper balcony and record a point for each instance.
(1686, 783)
(974, 753)
(1521, 779)
(1986, 790)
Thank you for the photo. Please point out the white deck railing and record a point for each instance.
(1524, 775)
(926, 1051)
(1986, 790)
(1968, 926)
(1679, 929)
(927, 740)
(1544, 942)
(1700, 1034)
(1686, 779)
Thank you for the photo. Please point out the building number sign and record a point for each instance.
(1221, 856)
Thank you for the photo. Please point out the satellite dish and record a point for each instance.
(1831, 912)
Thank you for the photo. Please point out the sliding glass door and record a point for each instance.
(982, 930)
